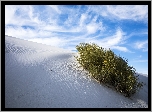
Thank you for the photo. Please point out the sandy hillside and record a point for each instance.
(41, 76)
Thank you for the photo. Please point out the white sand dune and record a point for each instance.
(41, 76)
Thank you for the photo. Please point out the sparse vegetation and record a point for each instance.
(108, 68)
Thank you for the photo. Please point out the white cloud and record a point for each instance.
(112, 42)
(142, 45)
(55, 7)
(20, 32)
(29, 16)
(92, 28)
(124, 49)
(9, 13)
(51, 28)
(122, 12)
(21, 15)
(134, 12)
(115, 39)
(138, 33)
(84, 24)
(82, 19)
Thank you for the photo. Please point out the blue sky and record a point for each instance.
(122, 28)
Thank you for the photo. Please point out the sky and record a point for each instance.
(122, 28)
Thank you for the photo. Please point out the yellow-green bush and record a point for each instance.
(108, 68)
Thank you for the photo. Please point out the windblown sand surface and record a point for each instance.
(41, 76)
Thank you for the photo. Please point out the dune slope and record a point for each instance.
(41, 76)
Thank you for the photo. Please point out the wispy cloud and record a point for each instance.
(55, 7)
(138, 33)
(122, 12)
(82, 19)
(28, 33)
(61, 21)
(142, 45)
(137, 12)
(121, 48)
(114, 42)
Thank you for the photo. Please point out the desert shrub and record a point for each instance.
(108, 68)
